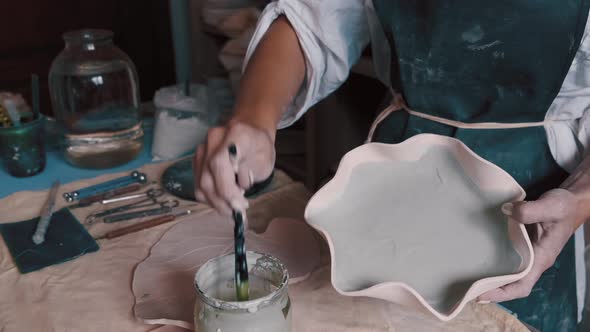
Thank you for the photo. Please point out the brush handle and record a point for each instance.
(241, 270)
(242, 286)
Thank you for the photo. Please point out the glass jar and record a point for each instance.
(95, 97)
(269, 307)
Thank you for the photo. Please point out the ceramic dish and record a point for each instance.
(419, 224)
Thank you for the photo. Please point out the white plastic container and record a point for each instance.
(182, 121)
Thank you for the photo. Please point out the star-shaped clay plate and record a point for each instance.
(419, 223)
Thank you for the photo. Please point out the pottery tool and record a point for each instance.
(144, 225)
(241, 271)
(150, 201)
(134, 177)
(85, 202)
(242, 285)
(46, 213)
(165, 207)
(149, 193)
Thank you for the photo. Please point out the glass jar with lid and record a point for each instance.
(95, 96)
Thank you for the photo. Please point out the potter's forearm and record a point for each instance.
(272, 78)
(579, 184)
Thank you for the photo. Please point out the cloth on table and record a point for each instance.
(65, 240)
(94, 293)
(91, 293)
(316, 305)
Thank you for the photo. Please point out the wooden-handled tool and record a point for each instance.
(144, 225)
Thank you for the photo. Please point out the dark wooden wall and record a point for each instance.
(30, 38)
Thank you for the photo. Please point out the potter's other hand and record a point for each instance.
(552, 220)
(238, 148)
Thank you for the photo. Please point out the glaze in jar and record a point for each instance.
(269, 307)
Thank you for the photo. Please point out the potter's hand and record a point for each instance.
(215, 169)
(272, 78)
(552, 220)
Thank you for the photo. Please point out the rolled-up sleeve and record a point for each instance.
(569, 134)
(332, 35)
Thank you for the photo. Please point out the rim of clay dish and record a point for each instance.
(245, 306)
(341, 178)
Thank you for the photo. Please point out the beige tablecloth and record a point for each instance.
(93, 292)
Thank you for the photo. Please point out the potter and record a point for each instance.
(509, 79)
(269, 307)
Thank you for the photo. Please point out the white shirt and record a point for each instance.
(333, 34)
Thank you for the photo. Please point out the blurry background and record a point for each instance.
(30, 38)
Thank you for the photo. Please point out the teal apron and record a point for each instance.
(491, 61)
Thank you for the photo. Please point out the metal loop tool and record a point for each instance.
(134, 177)
(151, 200)
(153, 193)
(165, 207)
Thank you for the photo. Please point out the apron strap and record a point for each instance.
(398, 104)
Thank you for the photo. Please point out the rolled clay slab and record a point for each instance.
(419, 224)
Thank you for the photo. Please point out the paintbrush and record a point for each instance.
(242, 285)
(241, 270)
